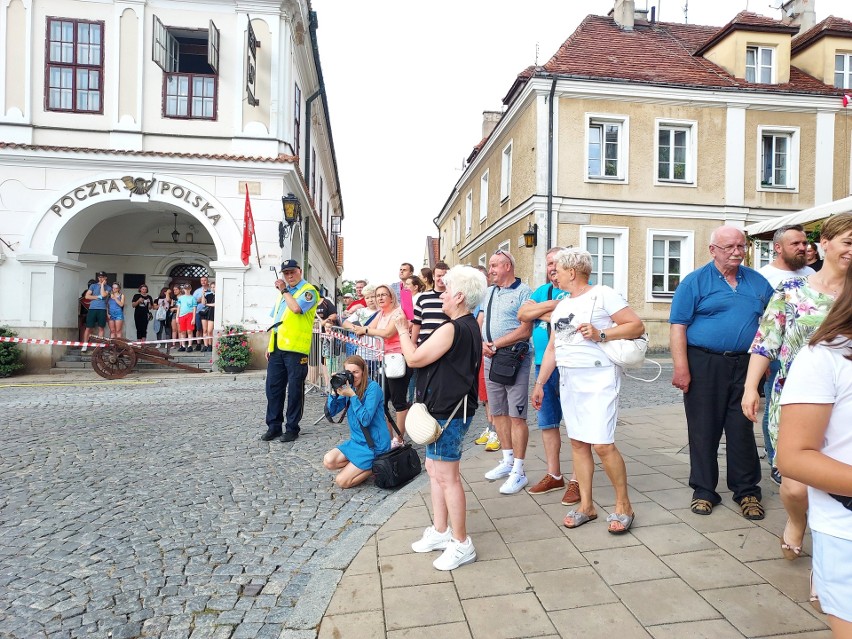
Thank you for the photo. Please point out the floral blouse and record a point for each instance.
(791, 317)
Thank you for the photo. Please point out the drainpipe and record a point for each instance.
(550, 167)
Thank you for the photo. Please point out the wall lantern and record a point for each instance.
(531, 236)
(175, 234)
(292, 209)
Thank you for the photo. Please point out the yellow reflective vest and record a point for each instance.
(296, 329)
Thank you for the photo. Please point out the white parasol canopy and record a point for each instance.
(806, 218)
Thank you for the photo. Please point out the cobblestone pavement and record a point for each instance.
(149, 508)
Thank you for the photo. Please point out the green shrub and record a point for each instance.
(10, 354)
(232, 350)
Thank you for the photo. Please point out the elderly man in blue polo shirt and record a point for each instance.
(714, 317)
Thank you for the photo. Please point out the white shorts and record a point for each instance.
(589, 398)
(833, 574)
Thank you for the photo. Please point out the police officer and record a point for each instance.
(287, 356)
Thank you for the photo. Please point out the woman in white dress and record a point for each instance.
(588, 381)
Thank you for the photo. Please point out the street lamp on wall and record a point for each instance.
(292, 214)
(175, 234)
(531, 236)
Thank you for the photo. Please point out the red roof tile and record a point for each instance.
(832, 26)
(285, 159)
(662, 54)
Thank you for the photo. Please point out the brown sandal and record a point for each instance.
(751, 508)
(701, 507)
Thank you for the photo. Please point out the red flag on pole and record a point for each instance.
(846, 100)
(248, 230)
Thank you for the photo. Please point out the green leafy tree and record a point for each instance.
(10, 354)
(348, 286)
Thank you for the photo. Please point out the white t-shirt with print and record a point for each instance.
(775, 275)
(596, 306)
(821, 375)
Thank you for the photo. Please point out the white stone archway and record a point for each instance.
(61, 247)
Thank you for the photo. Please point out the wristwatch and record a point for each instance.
(602, 336)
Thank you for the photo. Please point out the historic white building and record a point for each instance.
(130, 131)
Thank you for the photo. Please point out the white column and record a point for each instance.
(824, 161)
(735, 137)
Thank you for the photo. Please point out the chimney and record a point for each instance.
(624, 14)
(490, 120)
(799, 13)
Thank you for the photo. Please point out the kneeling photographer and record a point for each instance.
(362, 400)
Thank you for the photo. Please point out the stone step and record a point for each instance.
(63, 368)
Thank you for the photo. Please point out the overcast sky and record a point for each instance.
(407, 84)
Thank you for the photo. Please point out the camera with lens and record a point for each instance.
(341, 379)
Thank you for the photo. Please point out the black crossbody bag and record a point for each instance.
(507, 360)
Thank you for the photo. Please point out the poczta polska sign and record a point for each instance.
(136, 186)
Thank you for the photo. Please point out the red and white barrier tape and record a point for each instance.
(63, 342)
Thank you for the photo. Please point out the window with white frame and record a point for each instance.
(190, 61)
(760, 64)
(778, 157)
(675, 154)
(75, 65)
(602, 249)
(606, 147)
(506, 172)
(505, 247)
(763, 253)
(483, 196)
(468, 212)
(670, 258)
(458, 228)
(608, 247)
(843, 70)
(483, 260)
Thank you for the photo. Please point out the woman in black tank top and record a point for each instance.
(447, 384)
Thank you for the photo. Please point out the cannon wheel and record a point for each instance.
(114, 361)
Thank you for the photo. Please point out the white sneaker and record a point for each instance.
(499, 471)
(514, 484)
(457, 554)
(84, 349)
(432, 540)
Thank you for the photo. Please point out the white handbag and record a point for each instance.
(422, 428)
(394, 365)
(627, 353)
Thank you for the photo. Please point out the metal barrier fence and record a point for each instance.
(330, 347)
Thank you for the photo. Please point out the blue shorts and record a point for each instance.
(449, 444)
(116, 316)
(833, 574)
(550, 413)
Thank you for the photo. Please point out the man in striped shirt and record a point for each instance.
(427, 311)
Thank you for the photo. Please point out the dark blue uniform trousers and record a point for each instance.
(286, 372)
(713, 404)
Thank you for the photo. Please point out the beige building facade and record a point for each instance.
(130, 132)
(653, 146)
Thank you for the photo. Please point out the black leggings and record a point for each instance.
(396, 390)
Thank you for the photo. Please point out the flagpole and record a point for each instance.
(257, 250)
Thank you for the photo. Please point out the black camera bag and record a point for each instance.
(396, 467)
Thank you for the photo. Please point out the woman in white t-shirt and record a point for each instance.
(588, 381)
(815, 448)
